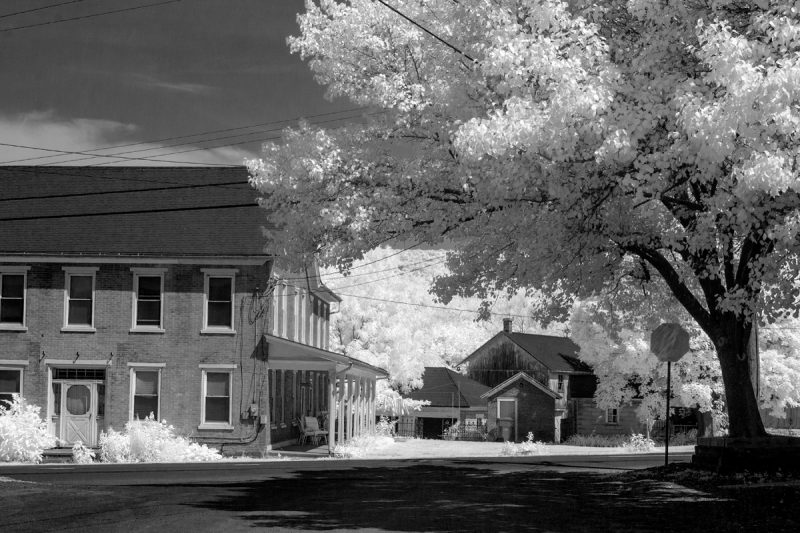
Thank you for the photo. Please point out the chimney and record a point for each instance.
(507, 325)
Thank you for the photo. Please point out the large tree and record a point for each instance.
(561, 146)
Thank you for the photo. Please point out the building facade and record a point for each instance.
(135, 292)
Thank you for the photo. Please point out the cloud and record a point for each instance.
(41, 138)
(151, 82)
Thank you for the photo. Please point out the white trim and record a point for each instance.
(16, 271)
(218, 366)
(77, 363)
(301, 317)
(80, 272)
(132, 377)
(151, 273)
(215, 426)
(140, 260)
(14, 362)
(219, 273)
(147, 365)
(204, 383)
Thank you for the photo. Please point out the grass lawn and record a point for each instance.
(386, 448)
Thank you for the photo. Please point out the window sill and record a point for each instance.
(141, 329)
(78, 329)
(217, 331)
(13, 327)
(215, 426)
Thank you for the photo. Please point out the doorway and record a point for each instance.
(77, 405)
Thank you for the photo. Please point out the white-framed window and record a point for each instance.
(560, 386)
(507, 408)
(216, 409)
(612, 416)
(218, 309)
(13, 294)
(148, 299)
(145, 396)
(10, 383)
(79, 298)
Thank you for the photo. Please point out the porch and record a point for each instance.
(304, 381)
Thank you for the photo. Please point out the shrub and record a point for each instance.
(358, 447)
(684, 438)
(81, 454)
(603, 441)
(23, 433)
(385, 427)
(151, 441)
(529, 447)
(639, 443)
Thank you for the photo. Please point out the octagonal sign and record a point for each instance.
(669, 342)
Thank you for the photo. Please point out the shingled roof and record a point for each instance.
(446, 388)
(559, 354)
(129, 211)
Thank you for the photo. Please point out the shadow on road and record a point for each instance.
(482, 498)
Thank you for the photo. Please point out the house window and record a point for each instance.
(145, 392)
(10, 384)
(148, 299)
(612, 416)
(560, 387)
(216, 406)
(13, 283)
(218, 309)
(79, 299)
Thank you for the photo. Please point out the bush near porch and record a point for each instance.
(23, 433)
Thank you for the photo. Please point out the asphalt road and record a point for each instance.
(565, 493)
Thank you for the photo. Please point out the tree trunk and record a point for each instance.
(744, 418)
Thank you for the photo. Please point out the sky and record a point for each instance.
(147, 75)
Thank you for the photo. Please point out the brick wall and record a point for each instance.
(181, 348)
(591, 419)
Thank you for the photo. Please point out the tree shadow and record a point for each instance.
(482, 498)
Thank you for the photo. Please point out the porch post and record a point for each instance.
(340, 411)
(351, 382)
(361, 418)
(331, 409)
(372, 385)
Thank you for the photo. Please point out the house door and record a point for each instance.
(507, 418)
(77, 411)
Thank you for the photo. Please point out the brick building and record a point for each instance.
(130, 291)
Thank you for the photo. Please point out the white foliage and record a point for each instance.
(23, 433)
(151, 441)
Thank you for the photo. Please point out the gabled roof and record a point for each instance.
(445, 388)
(558, 354)
(148, 211)
(516, 377)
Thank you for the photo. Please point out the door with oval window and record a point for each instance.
(77, 411)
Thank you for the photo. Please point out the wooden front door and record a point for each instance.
(76, 411)
(507, 418)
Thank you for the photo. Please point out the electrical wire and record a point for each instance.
(41, 8)
(186, 136)
(129, 212)
(92, 15)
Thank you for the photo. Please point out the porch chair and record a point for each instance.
(309, 428)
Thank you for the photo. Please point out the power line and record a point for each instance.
(126, 191)
(51, 171)
(387, 277)
(272, 138)
(40, 8)
(92, 15)
(443, 307)
(129, 212)
(177, 137)
(153, 158)
(426, 30)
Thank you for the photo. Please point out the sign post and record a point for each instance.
(669, 342)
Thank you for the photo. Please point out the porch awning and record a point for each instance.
(284, 354)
